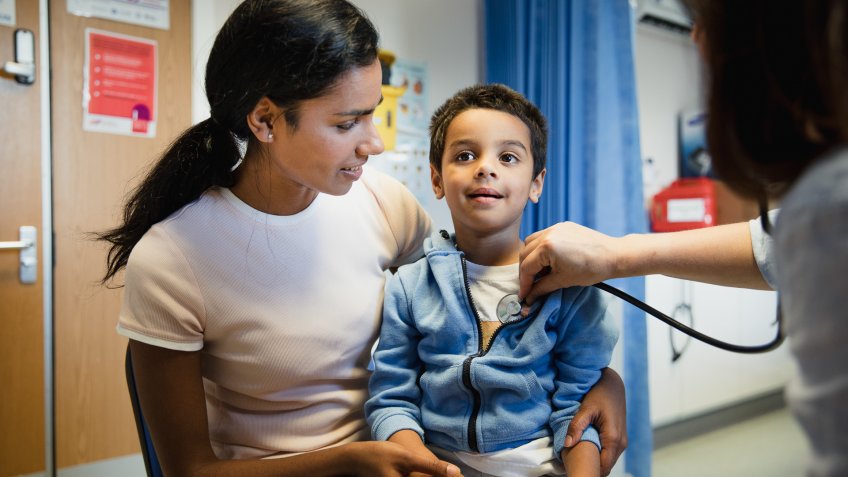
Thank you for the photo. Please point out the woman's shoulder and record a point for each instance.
(823, 185)
(383, 186)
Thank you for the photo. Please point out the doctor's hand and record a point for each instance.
(604, 407)
(564, 255)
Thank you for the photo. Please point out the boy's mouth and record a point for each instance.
(485, 193)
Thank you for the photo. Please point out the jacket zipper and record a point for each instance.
(466, 365)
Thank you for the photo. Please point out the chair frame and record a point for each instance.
(148, 452)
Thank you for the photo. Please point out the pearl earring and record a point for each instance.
(270, 137)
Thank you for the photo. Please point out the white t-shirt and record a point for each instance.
(489, 284)
(283, 308)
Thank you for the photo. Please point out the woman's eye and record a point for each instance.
(465, 156)
(347, 126)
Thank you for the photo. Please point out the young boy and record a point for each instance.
(457, 366)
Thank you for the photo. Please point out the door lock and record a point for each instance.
(24, 65)
(26, 244)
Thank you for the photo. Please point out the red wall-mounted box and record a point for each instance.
(688, 203)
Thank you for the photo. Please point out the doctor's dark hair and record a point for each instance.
(777, 100)
(286, 50)
(499, 98)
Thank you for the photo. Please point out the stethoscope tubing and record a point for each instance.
(774, 343)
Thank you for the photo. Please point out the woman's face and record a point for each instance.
(335, 135)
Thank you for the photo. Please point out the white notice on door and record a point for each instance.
(7, 12)
(149, 13)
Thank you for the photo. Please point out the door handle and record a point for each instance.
(23, 68)
(19, 69)
(26, 245)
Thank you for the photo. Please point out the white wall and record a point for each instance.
(668, 73)
(443, 34)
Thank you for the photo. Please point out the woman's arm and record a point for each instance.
(173, 403)
(576, 255)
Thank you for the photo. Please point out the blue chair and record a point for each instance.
(151, 462)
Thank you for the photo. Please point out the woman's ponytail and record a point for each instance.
(202, 157)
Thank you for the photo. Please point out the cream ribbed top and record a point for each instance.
(283, 308)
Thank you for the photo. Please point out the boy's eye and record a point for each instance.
(509, 158)
(465, 156)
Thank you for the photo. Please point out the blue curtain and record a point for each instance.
(574, 59)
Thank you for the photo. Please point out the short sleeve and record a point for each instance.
(762, 245)
(408, 221)
(162, 305)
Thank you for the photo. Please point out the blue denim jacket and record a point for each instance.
(432, 376)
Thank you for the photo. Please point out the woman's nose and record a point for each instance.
(372, 144)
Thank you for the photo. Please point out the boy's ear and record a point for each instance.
(436, 182)
(261, 118)
(536, 186)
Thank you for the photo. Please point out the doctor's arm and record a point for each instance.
(577, 255)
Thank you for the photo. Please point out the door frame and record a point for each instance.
(47, 233)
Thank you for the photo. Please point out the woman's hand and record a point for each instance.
(567, 254)
(604, 406)
(388, 459)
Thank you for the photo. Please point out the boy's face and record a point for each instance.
(487, 172)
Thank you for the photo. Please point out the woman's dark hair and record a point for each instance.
(286, 50)
(777, 95)
(499, 98)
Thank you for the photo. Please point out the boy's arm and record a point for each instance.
(585, 339)
(393, 387)
(582, 460)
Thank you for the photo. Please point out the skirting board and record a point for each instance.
(701, 424)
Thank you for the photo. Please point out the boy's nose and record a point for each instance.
(486, 168)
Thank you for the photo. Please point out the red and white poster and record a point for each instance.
(119, 93)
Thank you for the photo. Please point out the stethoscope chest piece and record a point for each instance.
(509, 309)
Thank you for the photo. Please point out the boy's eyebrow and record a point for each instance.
(471, 142)
(360, 112)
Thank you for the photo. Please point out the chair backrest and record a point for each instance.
(151, 462)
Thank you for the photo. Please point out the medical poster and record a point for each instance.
(413, 116)
(119, 93)
(409, 162)
(149, 13)
(7, 12)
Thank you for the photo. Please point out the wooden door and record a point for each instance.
(92, 175)
(22, 442)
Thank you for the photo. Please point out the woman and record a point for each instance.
(254, 275)
(778, 129)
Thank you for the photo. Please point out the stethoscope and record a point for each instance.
(509, 310)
